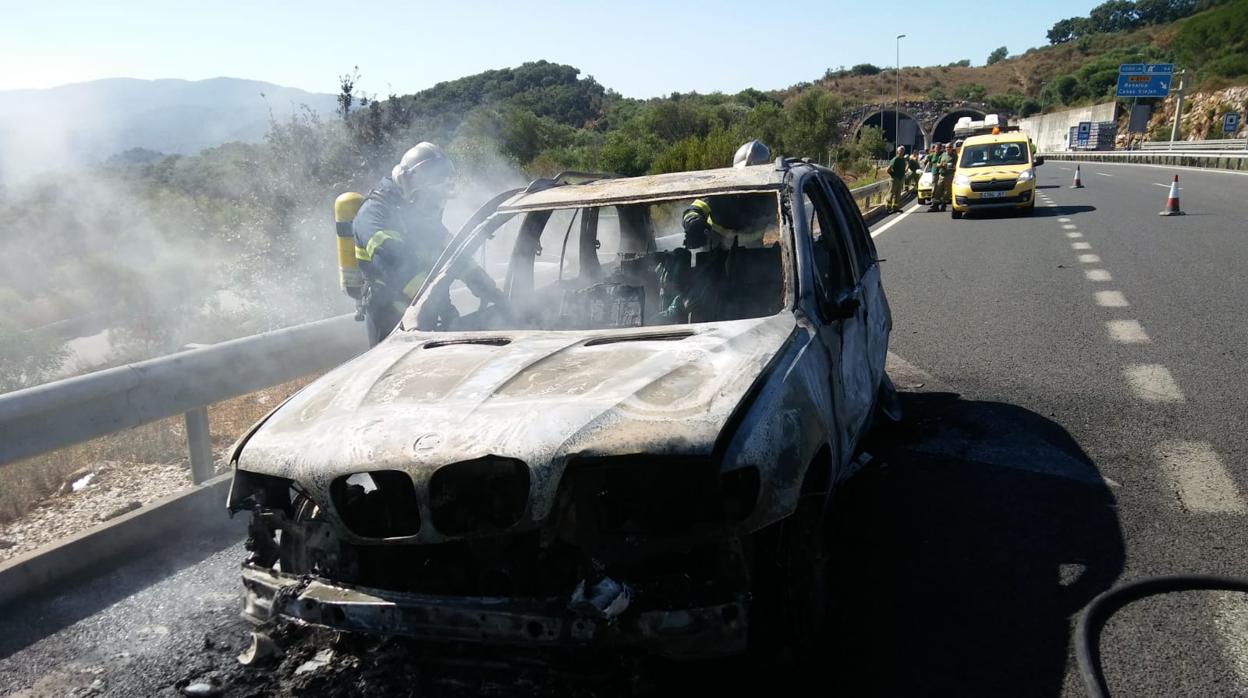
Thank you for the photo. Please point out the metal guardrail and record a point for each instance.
(1178, 146)
(1220, 160)
(65, 412)
(874, 192)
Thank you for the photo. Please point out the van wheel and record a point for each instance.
(955, 214)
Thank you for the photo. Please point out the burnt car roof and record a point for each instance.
(649, 188)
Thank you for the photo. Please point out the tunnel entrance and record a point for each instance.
(912, 134)
(942, 131)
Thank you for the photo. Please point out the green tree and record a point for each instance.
(812, 120)
(1113, 16)
(998, 54)
(973, 92)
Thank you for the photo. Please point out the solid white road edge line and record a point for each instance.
(880, 231)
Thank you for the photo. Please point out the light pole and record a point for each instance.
(897, 107)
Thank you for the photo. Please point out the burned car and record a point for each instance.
(637, 447)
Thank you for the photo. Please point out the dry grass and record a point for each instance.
(1025, 73)
(26, 483)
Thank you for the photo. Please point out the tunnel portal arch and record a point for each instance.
(942, 130)
(913, 135)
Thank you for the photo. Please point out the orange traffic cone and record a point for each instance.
(1172, 203)
(1078, 184)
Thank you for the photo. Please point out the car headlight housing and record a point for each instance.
(962, 180)
(1026, 175)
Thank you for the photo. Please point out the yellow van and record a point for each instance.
(995, 171)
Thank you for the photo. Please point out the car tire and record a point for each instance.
(794, 574)
(1031, 208)
(955, 214)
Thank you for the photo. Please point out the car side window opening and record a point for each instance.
(626, 265)
(859, 236)
(834, 275)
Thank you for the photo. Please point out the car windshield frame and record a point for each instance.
(969, 149)
(464, 249)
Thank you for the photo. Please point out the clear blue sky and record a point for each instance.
(639, 48)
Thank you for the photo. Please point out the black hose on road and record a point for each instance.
(1099, 611)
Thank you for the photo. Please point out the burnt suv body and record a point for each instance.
(596, 460)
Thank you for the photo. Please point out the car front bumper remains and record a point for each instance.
(684, 633)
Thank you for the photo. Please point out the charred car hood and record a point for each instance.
(421, 400)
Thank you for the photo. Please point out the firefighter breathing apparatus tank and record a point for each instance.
(350, 278)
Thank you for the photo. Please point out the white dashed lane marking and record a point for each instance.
(1080, 246)
(1104, 175)
(1152, 383)
(1203, 484)
(1111, 299)
(1072, 235)
(1063, 220)
(1126, 332)
(1098, 275)
(1069, 226)
(1231, 621)
(1089, 259)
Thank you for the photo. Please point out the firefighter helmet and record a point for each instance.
(423, 167)
(752, 153)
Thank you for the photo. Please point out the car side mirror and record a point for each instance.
(1038, 161)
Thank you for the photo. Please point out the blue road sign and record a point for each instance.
(1143, 85)
(1230, 122)
(1084, 133)
(1146, 68)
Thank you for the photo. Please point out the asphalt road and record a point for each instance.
(1125, 330)
(1071, 423)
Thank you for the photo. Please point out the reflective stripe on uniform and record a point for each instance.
(412, 286)
(365, 254)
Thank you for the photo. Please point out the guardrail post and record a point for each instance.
(199, 442)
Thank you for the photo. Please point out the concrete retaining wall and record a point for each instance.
(1049, 131)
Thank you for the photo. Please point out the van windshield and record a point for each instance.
(616, 266)
(989, 154)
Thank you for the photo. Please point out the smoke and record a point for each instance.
(232, 241)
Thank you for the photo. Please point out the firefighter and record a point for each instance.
(897, 168)
(399, 235)
(912, 179)
(714, 223)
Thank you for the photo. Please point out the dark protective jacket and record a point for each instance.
(396, 243)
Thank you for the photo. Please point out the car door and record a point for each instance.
(841, 318)
(877, 314)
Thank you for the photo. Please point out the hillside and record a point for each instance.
(1212, 45)
(84, 123)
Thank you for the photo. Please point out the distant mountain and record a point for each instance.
(83, 123)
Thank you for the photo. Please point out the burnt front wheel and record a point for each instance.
(794, 604)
